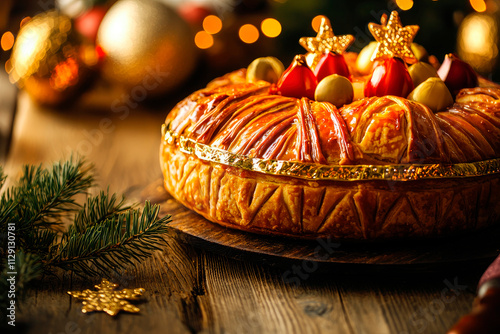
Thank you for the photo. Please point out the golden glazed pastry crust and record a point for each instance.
(269, 204)
(249, 120)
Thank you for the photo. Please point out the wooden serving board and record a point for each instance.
(461, 251)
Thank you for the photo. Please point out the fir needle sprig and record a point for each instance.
(55, 231)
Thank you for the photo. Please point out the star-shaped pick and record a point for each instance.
(325, 42)
(107, 299)
(393, 39)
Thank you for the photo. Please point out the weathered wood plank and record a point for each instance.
(122, 146)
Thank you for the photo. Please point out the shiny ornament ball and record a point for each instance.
(88, 23)
(146, 44)
(46, 59)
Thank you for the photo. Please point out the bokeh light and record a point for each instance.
(203, 40)
(271, 27)
(24, 21)
(249, 33)
(65, 74)
(477, 41)
(8, 66)
(478, 5)
(212, 24)
(404, 4)
(7, 41)
(316, 22)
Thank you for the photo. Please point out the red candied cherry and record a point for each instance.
(331, 63)
(457, 74)
(298, 80)
(390, 77)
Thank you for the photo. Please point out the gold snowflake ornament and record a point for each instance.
(325, 42)
(393, 39)
(107, 299)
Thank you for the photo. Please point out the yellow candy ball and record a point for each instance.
(421, 71)
(335, 89)
(433, 93)
(364, 62)
(266, 68)
(420, 52)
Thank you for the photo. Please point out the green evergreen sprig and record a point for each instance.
(55, 231)
(109, 244)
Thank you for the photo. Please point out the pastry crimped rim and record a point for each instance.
(308, 171)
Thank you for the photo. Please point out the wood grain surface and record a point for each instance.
(194, 290)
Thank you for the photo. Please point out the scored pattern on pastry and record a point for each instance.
(334, 209)
(246, 119)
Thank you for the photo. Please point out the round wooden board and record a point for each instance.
(459, 251)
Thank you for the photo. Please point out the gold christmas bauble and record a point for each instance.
(46, 59)
(146, 45)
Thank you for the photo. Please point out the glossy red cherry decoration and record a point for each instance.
(390, 77)
(457, 74)
(298, 80)
(331, 63)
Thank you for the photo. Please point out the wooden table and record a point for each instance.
(191, 290)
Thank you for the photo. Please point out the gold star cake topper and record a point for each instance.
(393, 39)
(107, 299)
(325, 42)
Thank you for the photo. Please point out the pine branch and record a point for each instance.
(96, 210)
(3, 202)
(7, 207)
(40, 241)
(47, 195)
(105, 234)
(115, 242)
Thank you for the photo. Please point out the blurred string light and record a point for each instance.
(212, 24)
(8, 66)
(404, 4)
(249, 33)
(271, 27)
(24, 21)
(316, 22)
(478, 5)
(203, 40)
(7, 41)
(477, 41)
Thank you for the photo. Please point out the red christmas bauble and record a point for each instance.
(88, 23)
